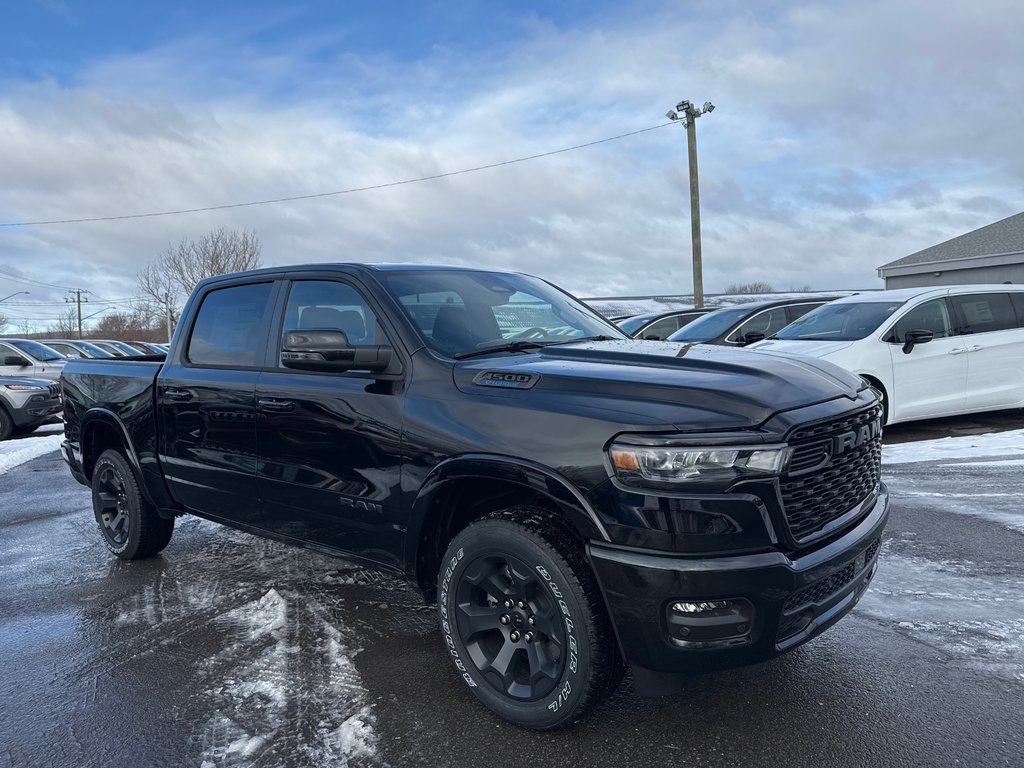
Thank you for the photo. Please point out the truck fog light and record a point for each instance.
(700, 607)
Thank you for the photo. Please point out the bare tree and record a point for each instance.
(215, 253)
(166, 281)
(3, 323)
(757, 286)
(26, 326)
(66, 326)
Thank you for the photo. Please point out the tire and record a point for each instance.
(524, 622)
(6, 424)
(129, 525)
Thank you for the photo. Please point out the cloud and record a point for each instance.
(847, 135)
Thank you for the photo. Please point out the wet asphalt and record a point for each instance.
(230, 650)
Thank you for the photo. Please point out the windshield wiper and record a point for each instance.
(584, 338)
(511, 346)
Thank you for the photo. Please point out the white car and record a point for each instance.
(929, 351)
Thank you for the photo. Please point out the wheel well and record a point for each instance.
(98, 438)
(875, 383)
(457, 504)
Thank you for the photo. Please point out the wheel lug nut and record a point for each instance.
(521, 604)
(505, 619)
(532, 621)
(528, 637)
(510, 603)
(514, 637)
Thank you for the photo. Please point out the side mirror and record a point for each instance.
(917, 336)
(329, 350)
(750, 338)
(17, 360)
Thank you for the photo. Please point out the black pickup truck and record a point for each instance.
(574, 500)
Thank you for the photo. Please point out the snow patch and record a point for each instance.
(997, 444)
(287, 657)
(946, 605)
(14, 453)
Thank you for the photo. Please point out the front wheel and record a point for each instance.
(131, 527)
(523, 620)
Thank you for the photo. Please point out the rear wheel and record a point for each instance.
(524, 622)
(131, 527)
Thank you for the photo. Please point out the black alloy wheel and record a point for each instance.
(131, 527)
(524, 621)
(112, 507)
(511, 626)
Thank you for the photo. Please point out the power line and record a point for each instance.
(31, 281)
(352, 190)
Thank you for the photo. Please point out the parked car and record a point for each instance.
(76, 348)
(746, 323)
(146, 347)
(117, 348)
(26, 404)
(928, 351)
(659, 325)
(25, 357)
(571, 498)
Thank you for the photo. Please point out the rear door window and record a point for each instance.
(229, 330)
(983, 312)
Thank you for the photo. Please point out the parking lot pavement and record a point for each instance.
(230, 650)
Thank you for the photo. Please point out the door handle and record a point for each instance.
(959, 351)
(975, 348)
(270, 404)
(177, 394)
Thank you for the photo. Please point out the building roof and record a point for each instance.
(1002, 237)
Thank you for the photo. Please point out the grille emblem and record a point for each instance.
(856, 437)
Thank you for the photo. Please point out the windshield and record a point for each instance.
(840, 322)
(128, 349)
(710, 326)
(37, 351)
(458, 311)
(92, 349)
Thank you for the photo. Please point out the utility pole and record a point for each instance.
(78, 301)
(689, 114)
(167, 312)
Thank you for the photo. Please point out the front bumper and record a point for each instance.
(785, 601)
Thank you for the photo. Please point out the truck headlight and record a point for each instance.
(720, 464)
(23, 388)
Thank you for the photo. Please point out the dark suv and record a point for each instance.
(748, 322)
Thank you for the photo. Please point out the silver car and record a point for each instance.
(25, 357)
(25, 404)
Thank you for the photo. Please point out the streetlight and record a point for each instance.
(688, 113)
(5, 298)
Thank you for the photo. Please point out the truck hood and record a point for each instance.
(658, 384)
(807, 347)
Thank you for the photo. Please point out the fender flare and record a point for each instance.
(528, 474)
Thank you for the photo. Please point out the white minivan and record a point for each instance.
(929, 351)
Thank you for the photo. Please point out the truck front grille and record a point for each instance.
(821, 591)
(833, 467)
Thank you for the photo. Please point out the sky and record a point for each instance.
(845, 135)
